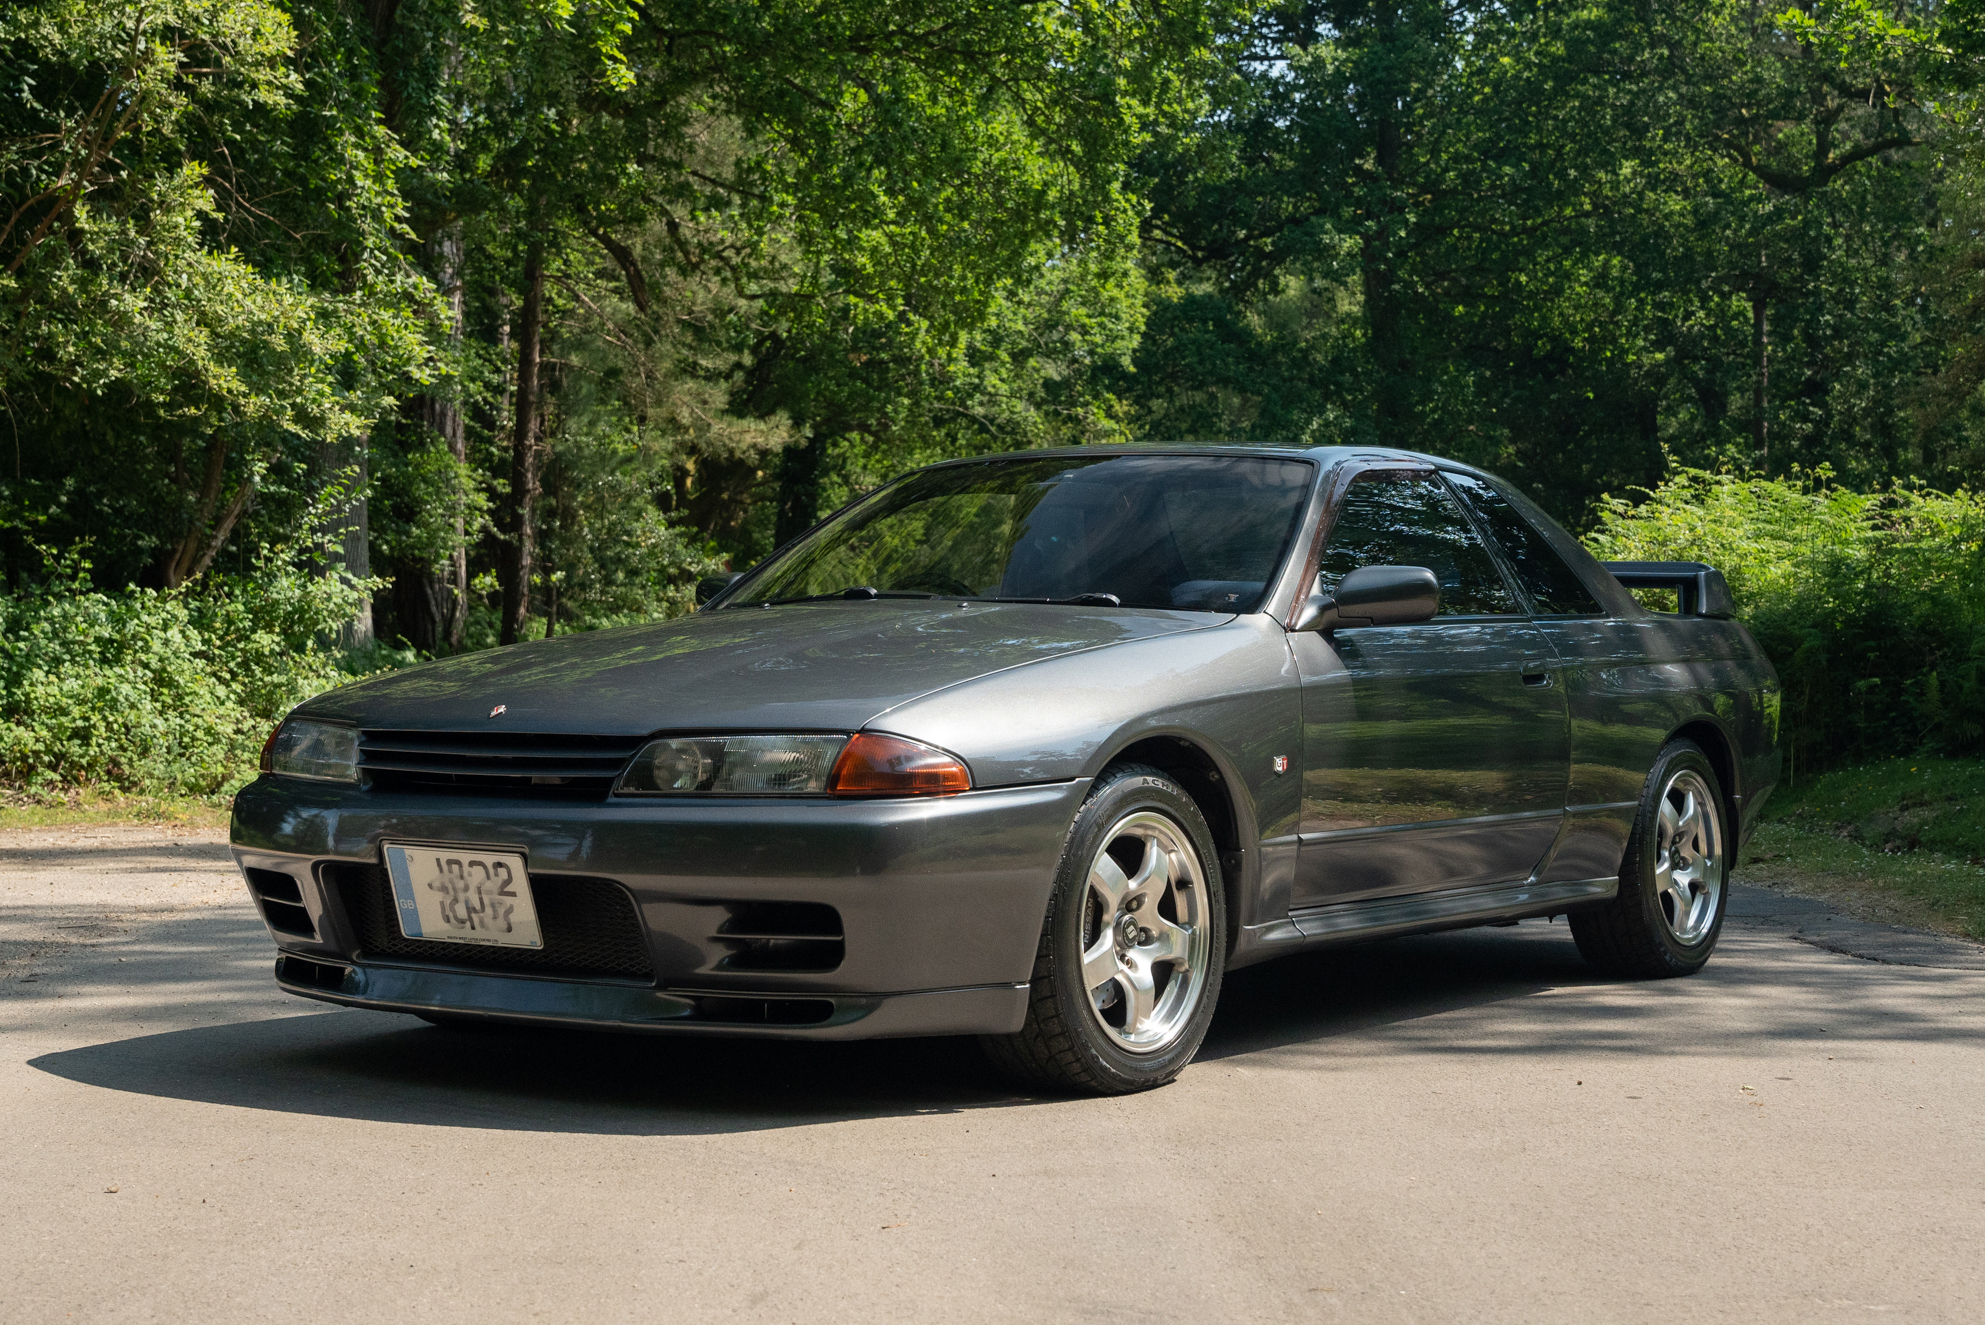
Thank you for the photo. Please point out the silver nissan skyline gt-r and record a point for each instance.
(1035, 748)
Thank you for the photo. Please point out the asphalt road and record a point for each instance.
(1456, 1128)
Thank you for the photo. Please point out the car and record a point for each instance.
(1035, 748)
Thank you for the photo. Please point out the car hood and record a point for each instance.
(813, 666)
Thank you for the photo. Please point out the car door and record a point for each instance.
(1436, 754)
(1616, 674)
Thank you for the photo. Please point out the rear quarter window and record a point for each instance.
(1552, 585)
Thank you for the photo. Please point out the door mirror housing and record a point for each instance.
(710, 587)
(1374, 596)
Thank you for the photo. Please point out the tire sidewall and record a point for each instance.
(1641, 854)
(1127, 792)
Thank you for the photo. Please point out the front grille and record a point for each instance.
(494, 761)
(590, 928)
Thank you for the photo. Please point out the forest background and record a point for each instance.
(335, 334)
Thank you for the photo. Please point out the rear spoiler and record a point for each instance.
(1699, 589)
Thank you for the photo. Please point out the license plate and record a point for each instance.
(450, 895)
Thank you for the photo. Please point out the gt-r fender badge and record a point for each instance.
(1281, 762)
(501, 709)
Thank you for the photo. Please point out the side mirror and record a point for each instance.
(709, 588)
(1374, 596)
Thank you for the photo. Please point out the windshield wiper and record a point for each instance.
(854, 593)
(1078, 600)
(864, 592)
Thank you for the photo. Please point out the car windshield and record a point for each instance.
(1201, 533)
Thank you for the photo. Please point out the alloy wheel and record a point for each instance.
(1145, 940)
(1688, 857)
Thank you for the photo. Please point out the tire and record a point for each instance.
(1117, 1003)
(1666, 917)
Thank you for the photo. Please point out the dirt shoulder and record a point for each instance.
(20, 813)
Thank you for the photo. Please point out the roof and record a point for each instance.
(1326, 456)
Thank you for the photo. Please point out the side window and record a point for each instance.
(1411, 520)
(1551, 584)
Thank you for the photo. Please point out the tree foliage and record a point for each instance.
(531, 312)
(1872, 605)
(1577, 244)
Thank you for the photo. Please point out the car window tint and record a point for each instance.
(1218, 534)
(1203, 533)
(1411, 520)
(1551, 584)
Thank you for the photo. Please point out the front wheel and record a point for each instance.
(1132, 948)
(1673, 882)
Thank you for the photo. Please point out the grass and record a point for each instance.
(1899, 840)
(87, 809)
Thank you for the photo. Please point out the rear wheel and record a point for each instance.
(1132, 948)
(1674, 880)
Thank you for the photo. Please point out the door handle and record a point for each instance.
(1537, 678)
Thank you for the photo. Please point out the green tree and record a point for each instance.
(1565, 243)
(197, 270)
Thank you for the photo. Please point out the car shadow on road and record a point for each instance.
(1320, 995)
(387, 1068)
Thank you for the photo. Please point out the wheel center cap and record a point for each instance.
(1126, 931)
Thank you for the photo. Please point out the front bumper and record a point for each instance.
(940, 903)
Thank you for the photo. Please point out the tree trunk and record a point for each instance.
(223, 527)
(179, 562)
(420, 604)
(552, 523)
(516, 562)
(1384, 335)
(430, 602)
(208, 533)
(799, 487)
(447, 248)
(1761, 381)
(357, 633)
(350, 537)
(1384, 323)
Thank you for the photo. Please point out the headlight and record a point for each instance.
(732, 765)
(319, 750)
(865, 765)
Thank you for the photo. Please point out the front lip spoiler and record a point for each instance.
(579, 1004)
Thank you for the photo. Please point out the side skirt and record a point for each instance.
(1387, 916)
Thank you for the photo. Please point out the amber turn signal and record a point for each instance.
(874, 765)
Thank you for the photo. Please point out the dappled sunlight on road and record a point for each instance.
(1761, 993)
(179, 968)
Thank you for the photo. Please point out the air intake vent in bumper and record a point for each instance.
(294, 970)
(780, 936)
(591, 929)
(281, 900)
(747, 1010)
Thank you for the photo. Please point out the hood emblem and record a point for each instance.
(499, 710)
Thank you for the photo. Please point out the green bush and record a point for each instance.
(165, 693)
(1872, 605)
